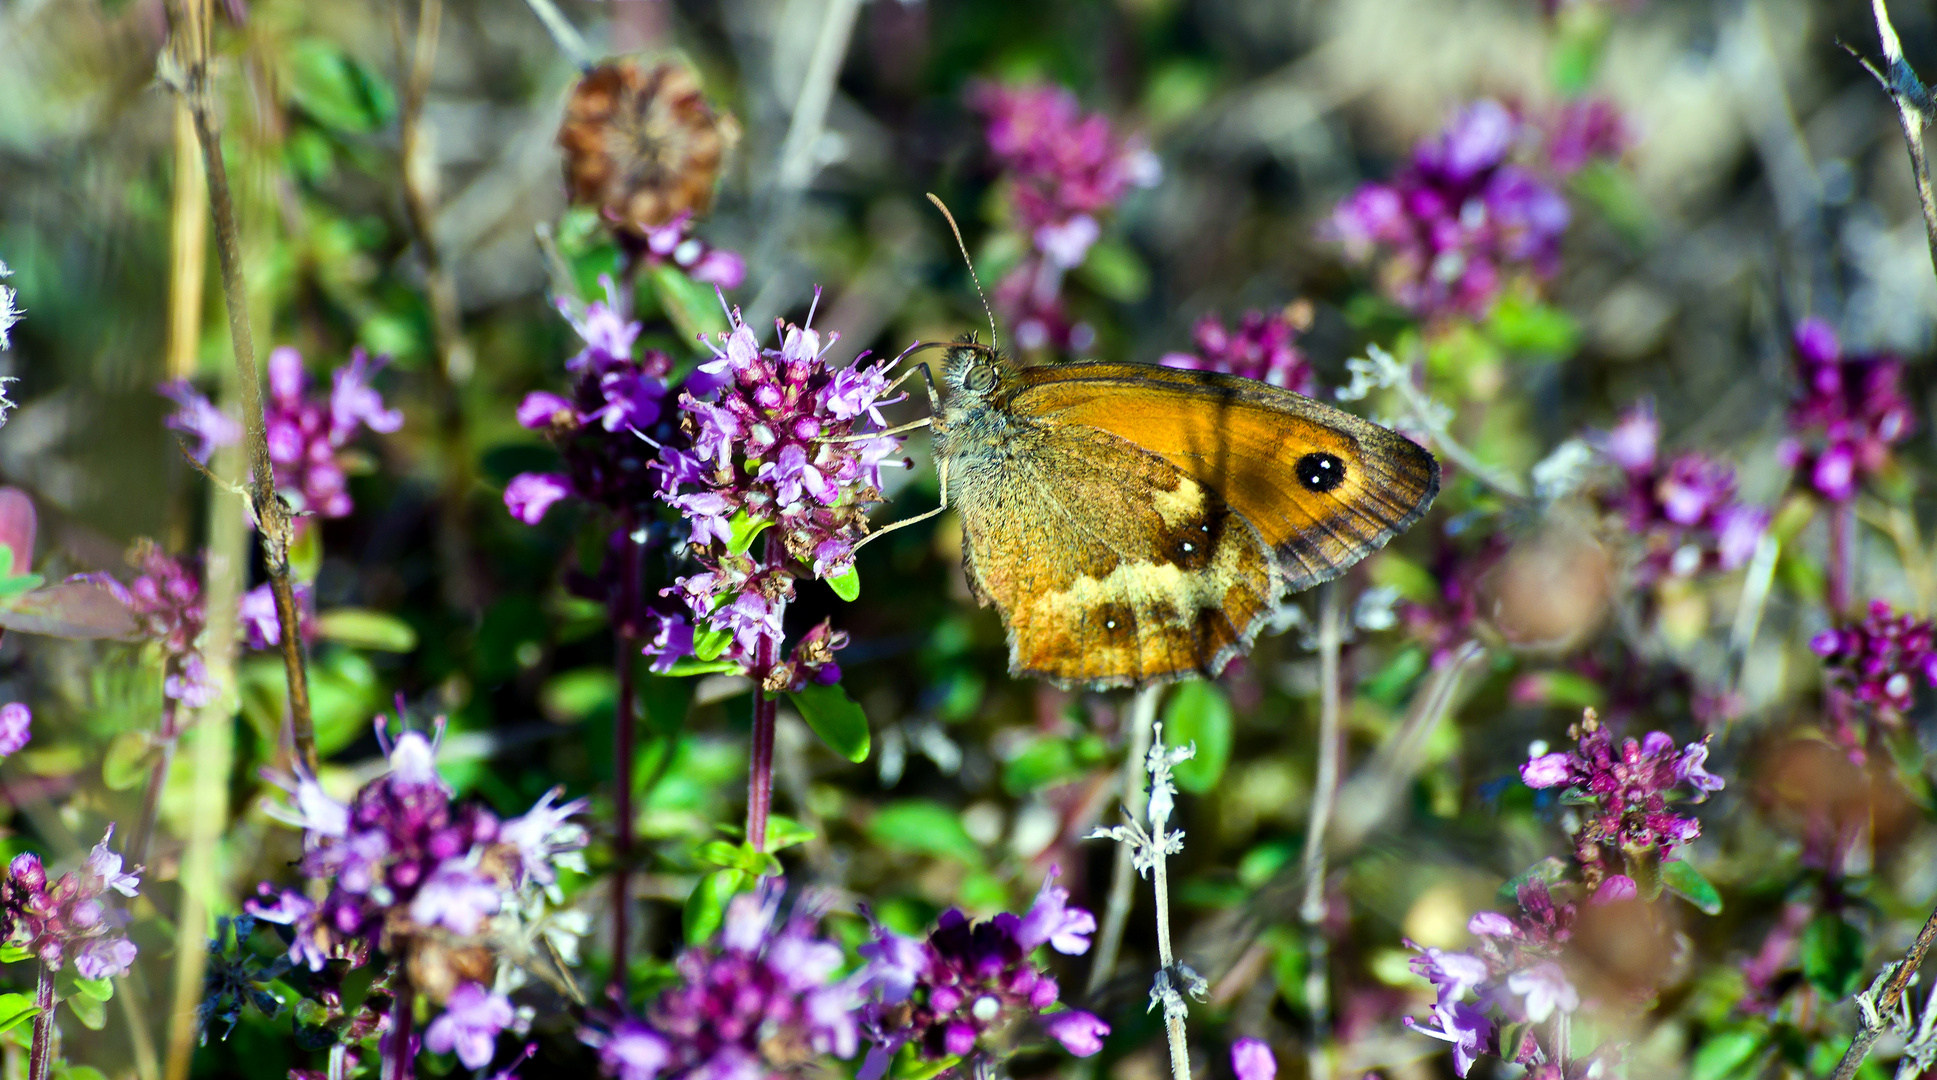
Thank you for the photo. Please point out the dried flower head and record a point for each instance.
(643, 144)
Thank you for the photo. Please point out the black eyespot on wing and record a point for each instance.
(1118, 622)
(1192, 543)
(1320, 472)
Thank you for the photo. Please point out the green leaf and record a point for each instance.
(691, 666)
(708, 643)
(1724, 1054)
(91, 1011)
(784, 832)
(740, 857)
(1687, 882)
(921, 827)
(11, 585)
(847, 586)
(65, 1071)
(15, 1008)
(1045, 762)
(1198, 712)
(14, 953)
(1115, 272)
(745, 527)
(365, 629)
(693, 306)
(98, 989)
(1522, 324)
(336, 91)
(706, 905)
(577, 694)
(1832, 956)
(835, 718)
(126, 763)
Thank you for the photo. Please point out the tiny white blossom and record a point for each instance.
(1559, 474)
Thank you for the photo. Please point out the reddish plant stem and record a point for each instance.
(1842, 560)
(41, 1060)
(397, 1059)
(760, 782)
(626, 646)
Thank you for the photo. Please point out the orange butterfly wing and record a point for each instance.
(1246, 441)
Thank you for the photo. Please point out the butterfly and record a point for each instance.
(1137, 524)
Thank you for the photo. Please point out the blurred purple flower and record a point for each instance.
(1849, 415)
(1450, 228)
(1252, 1059)
(530, 495)
(1684, 510)
(1465, 1026)
(68, 919)
(1582, 132)
(199, 419)
(472, 1018)
(260, 625)
(704, 263)
(16, 728)
(1263, 347)
(1050, 919)
(1877, 661)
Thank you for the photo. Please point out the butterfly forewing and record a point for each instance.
(1321, 487)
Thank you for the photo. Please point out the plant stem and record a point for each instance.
(624, 727)
(563, 33)
(1842, 560)
(760, 780)
(1174, 1006)
(1123, 877)
(166, 736)
(272, 514)
(1886, 1006)
(189, 248)
(41, 1060)
(1312, 909)
(398, 1058)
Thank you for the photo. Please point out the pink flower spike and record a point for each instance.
(1616, 888)
(1251, 1059)
(1548, 770)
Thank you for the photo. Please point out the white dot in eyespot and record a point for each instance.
(1188, 546)
(1109, 624)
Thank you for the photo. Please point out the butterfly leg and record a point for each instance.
(941, 472)
(866, 435)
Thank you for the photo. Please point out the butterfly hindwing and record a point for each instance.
(1262, 450)
(1111, 566)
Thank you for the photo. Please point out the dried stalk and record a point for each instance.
(1876, 1019)
(189, 250)
(1123, 878)
(1324, 794)
(272, 515)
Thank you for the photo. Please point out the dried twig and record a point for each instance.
(1912, 99)
(1311, 910)
(272, 514)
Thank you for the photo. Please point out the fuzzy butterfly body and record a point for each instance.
(1138, 524)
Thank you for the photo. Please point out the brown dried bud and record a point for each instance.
(642, 143)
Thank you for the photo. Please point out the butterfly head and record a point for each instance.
(973, 372)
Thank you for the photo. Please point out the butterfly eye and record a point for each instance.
(1320, 472)
(980, 378)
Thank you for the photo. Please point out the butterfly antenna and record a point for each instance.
(970, 263)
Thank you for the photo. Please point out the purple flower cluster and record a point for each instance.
(69, 919)
(1464, 215)
(166, 600)
(784, 445)
(307, 433)
(1063, 170)
(1264, 347)
(614, 394)
(1513, 976)
(402, 860)
(472, 1018)
(1683, 509)
(1877, 661)
(1627, 817)
(761, 1001)
(1850, 413)
(969, 990)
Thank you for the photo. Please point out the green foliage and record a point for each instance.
(921, 827)
(1832, 956)
(1199, 712)
(835, 718)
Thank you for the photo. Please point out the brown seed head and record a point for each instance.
(642, 143)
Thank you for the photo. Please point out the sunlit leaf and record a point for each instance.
(706, 905)
(1686, 881)
(15, 1008)
(1198, 712)
(920, 827)
(847, 586)
(365, 629)
(127, 760)
(835, 718)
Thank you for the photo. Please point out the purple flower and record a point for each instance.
(1631, 443)
(1453, 974)
(1691, 769)
(670, 642)
(354, 402)
(1263, 347)
(633, 1051)
(105, 867)
(1079, 1032)
(1548, 770)
(540, 411)
(470, 1023)
(199, 419)
(16, 728)
(1582, 132)
(1615, 888)
(1877, 661)
(457, 896)
(260, 623)
(1465, 1026)
(1546, 989)
(545, 834)
(529, 495)
(104, 958)
(69, 919)
(1490, 924)
(1450, 228)
(1684, 510)
(1252, 1059)
(775, 449)
(1849, 415)
(1051, 919)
